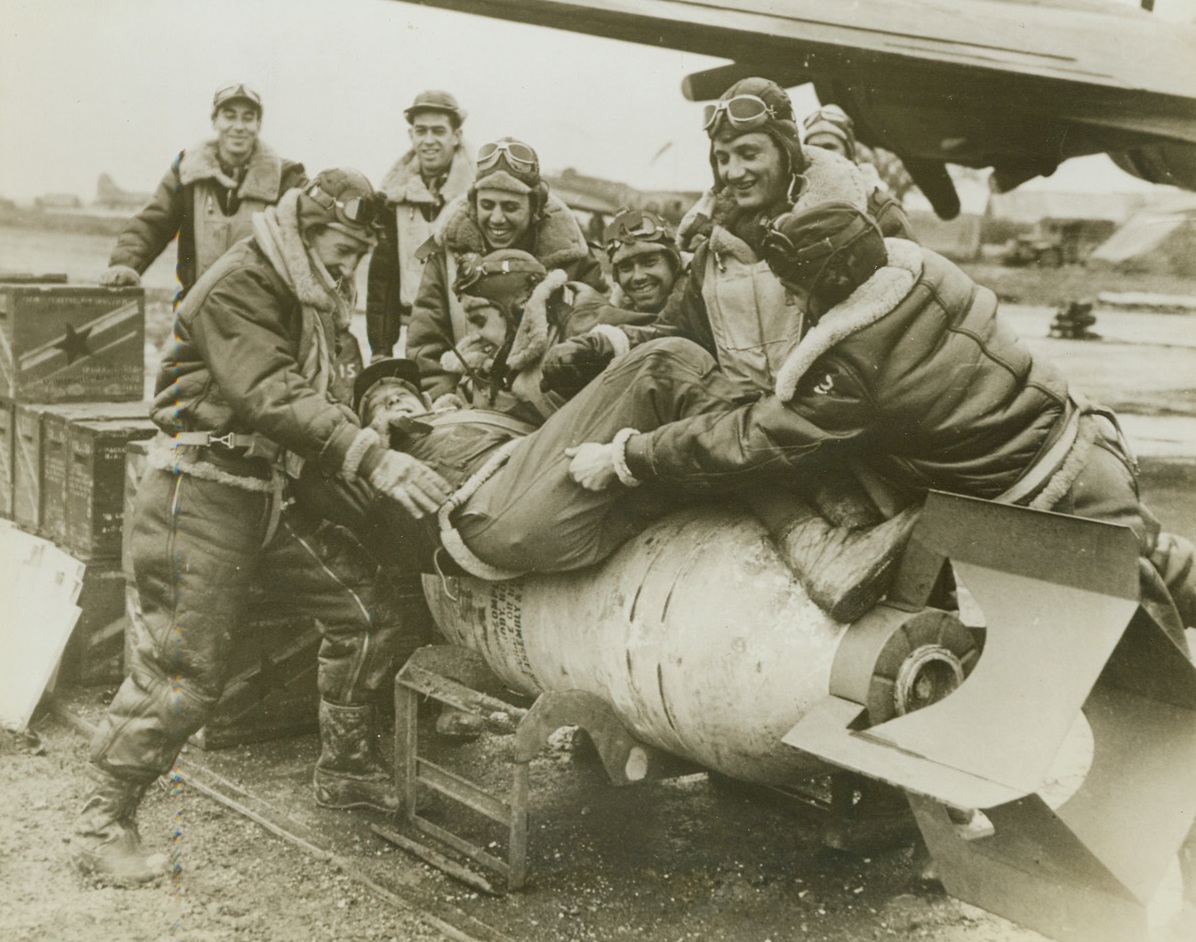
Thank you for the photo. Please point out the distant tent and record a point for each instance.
(1160, 239)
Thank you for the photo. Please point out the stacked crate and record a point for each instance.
(71, 385)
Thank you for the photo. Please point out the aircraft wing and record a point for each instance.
(1013, 84)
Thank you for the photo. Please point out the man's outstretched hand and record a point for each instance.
(411, 483)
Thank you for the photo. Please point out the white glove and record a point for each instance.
(593, 466)
(411, 483)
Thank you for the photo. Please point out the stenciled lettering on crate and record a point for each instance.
(95, 484)
(40, 459)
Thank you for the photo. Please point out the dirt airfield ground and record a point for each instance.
(679, 860)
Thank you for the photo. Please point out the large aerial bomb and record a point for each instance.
(703, 645)
(700, 639)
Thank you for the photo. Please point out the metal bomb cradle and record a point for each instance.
(695, 643)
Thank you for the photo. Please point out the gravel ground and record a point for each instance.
(233, 882)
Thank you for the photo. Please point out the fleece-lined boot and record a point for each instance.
(350, 772)
(106, 843)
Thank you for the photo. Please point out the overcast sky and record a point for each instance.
(122, 85)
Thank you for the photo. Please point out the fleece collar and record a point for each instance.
(828, 177)
(263, 176)
(276, 231)
(403, 183)
(871, 301)
(558, 238)
(531, 337)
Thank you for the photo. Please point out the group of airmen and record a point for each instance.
(791, 336)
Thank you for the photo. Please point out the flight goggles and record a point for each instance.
(741, 111)
(635, 225)
(472, 268)
(797, 264)
(519, 156)
(360, 211)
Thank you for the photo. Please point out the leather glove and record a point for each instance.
(410, 482)
(569, 366)
(120, 276)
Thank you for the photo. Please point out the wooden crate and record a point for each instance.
(71, 343)
(95, 484)
(94, 654)
(51, 522)
(39, 465)
(27, 468)
(7, 443)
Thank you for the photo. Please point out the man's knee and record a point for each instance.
(147, 723)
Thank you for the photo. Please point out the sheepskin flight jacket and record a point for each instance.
(171, 210)
(235, 367)
(395, 271)
(913, 375)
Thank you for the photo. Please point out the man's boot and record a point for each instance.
(844, 571)
(106, 842)
(350, 772)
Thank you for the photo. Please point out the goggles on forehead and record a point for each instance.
(518, 155)
(742, 111)
(634, 226)
(473, 269)
(358, 211)
(832, 113)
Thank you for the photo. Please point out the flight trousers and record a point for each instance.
(205, 552)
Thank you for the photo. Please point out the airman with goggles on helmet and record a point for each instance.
(644, 259)
(338, 213)
(515, 309)
(830, 128)
(358, 213)
(728, 300)
(755, 148)
(508, 208)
